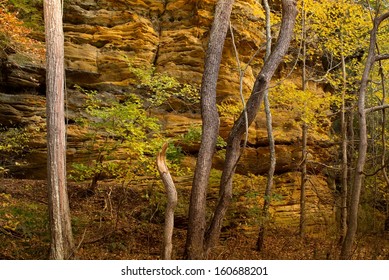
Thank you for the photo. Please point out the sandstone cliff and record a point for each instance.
(100, 36)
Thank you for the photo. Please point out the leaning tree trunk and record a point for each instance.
(346, 252)
(233, 151)
(60, 226)
(194, 248)
(171, 203)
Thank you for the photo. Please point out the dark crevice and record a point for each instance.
(157, 26)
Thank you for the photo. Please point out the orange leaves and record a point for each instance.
(15, 36)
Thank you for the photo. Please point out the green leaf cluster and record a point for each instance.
(30, 11)
(118, 130)
(161, 87)
(230, 108)
(310, 107)
(13, 144)
(194, 133)
(124, 139)
(330, 30)
(334, 27)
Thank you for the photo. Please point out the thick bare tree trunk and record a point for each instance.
(194, 248)
(346, 252)
(171, 203)
(233, 151)
(272, 148)
(60, 225)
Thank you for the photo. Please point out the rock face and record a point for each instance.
(103, 36)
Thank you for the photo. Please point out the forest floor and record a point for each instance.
(118, 222)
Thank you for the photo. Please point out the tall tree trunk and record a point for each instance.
(304, 135)
(350, 151)
(60, 225)
(194, 248)
(233, 151)
(303, 179)
(343, 207)
(346, 252)
(272, 149)
(383, 120)
(383, 139)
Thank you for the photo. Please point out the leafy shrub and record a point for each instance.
(126, 130)
(118, 129)
(14, 35)
(161, 87)
(30, 11)
(193, 135)
(13, 145)
(230, 108)
(124, 138)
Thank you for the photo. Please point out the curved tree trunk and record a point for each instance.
(346, 252)
(233, 152)
(171, 203)
(194, 248)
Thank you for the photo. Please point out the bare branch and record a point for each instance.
(376, 108)
(382, 57)
(381, 18)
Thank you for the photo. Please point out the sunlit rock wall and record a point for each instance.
(103, 36)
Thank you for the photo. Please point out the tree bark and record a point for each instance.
(233, 151)
(343, 207)
(62, 244)
(383, 121)
(194, 248)
(303, 179)
(171, 203)
(304, 136)
(272, 149)
(346, 252)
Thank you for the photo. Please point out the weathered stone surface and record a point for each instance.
(21, 109)
(319, 201)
